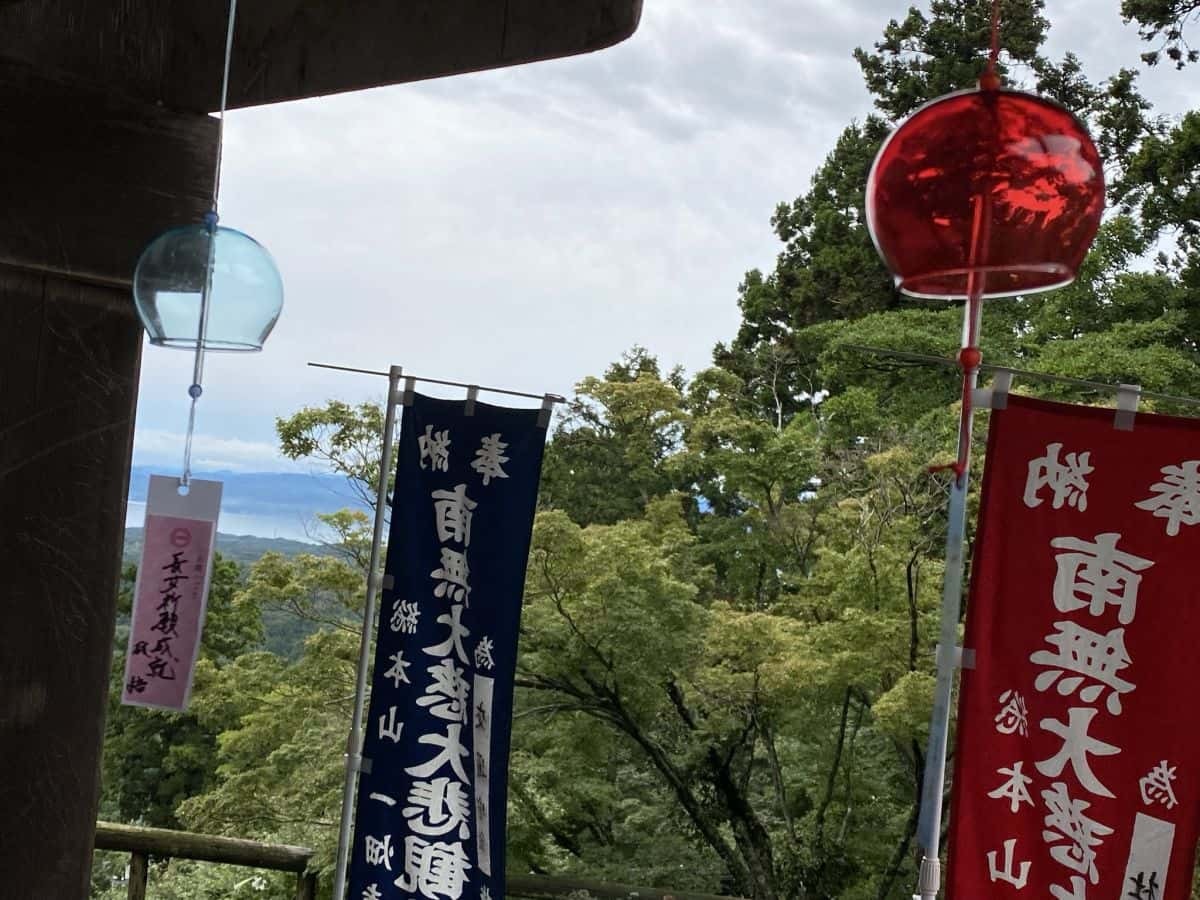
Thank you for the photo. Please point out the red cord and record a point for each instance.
(969, 359)
(990, 81)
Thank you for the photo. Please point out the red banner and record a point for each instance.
(1077, 769)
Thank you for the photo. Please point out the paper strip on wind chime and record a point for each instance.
(171, 593)
(431, 812)
(1077, 771)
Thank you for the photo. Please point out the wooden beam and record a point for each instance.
(204, 847)
(87, 179)
(187, 845)
(171, 51)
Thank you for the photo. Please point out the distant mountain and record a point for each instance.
(284, 632)
(264, 504)
(266, 493)
(242, 548)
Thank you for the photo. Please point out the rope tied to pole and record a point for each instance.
(990, 80)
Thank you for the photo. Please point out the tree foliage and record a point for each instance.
(727, 646)
(1162, 23)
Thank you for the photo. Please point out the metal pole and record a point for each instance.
(553, 398)
(355, 742)
(930, 825)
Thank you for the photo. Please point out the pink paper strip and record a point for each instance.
(168, 611)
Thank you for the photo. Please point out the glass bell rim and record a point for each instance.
(210, 345)
(1065, 276)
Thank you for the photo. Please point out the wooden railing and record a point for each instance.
(540, 887)
(142, 843)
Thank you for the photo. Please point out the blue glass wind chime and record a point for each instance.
(205, 287)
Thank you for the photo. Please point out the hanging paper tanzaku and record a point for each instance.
(171, 594)
(1077, 771)
(430, 818)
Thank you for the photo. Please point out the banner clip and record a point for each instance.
(961, 657)
(1128, 396)
(1001, 385)
(472, 396)
(995, 396)
(410, 386)
(546, 411)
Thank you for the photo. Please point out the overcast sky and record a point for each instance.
(522, 227)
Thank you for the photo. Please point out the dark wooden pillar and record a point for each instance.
(139, 875)
(306, 886)
(85, 181)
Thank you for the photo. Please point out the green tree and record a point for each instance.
(343, 437)
(1163, 183)
(930, 54)
(828, 270)
(283, 718)
(727, 646)
(1162, 22)
(606, 460)
(154, 760)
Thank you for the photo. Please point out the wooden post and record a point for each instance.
(139, 872)
(306, 886)
(85, 181)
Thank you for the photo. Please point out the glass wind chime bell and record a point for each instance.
(988, 190)
(207, 286)
(204, 287)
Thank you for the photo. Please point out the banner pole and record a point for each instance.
(930, 824)
(355, 742)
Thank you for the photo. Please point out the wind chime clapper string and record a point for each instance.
(211, 218)
(553, 398)
(947, 362)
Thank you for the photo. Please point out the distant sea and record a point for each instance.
(262, 504)
(266, 526)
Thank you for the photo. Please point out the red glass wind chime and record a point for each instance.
(980, 194)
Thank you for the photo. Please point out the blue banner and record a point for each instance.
(432, 795)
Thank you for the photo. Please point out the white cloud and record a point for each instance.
(156, 447)
(523, 227)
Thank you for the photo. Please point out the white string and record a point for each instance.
(196, 388)
(224, 100)
(187, 446)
